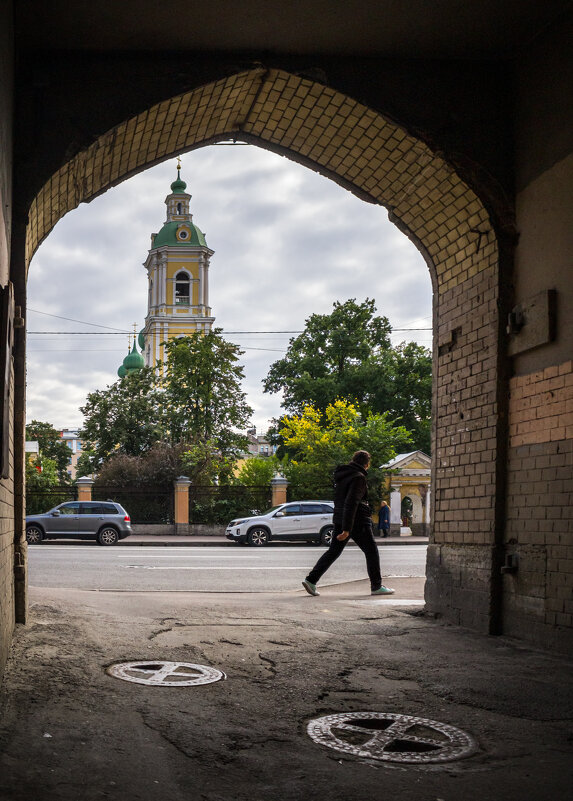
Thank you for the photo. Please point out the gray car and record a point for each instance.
(310, 521)
(103, 521)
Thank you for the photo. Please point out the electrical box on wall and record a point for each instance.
(532, 323)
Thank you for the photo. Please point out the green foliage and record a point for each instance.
(51, 446)
(194, 405)
(316, 447)
(45, 478)
(126, 418)
(348, 355)
(44, 489)
(257, 471)
(202, 391)
(158, 467)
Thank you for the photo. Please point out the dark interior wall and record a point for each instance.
(538, 603)
(67, 100)
(544, 175)
(7, 614)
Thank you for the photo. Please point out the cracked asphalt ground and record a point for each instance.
(70, 731)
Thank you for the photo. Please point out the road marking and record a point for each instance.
(211, 567)
(193, 556)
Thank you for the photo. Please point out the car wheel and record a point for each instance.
(107, 536)
(326, 535)
(258, 536)
(34, 535)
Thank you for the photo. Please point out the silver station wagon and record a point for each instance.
(310, 521)
(105, 521)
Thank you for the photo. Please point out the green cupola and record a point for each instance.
(133, 361)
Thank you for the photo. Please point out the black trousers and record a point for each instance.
(363, 536)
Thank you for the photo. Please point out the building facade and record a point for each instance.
(178, 278)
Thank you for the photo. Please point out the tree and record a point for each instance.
(126, 418)
(41, 474)
(257, 471)
(51, 446)
(316, 447)
(194, 405)
(202, 391)
(348, 355)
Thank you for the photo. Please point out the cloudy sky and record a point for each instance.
(287, 242)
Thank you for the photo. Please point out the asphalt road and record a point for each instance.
(214, 569)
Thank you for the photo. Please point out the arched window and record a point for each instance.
(182, 289)
(179, 208)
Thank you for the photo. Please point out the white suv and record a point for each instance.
(302, 520)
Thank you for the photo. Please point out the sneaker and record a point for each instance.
(310, 588)
(381, 591)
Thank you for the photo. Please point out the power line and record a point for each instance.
(82, 322)
(123, 333)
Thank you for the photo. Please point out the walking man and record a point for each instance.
(351, 519)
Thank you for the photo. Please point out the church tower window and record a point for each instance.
(182, 289)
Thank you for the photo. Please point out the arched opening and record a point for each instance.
(182, 289)
(381, 162)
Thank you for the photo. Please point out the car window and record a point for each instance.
(292, 509)
(69, 509)
(109, 509)
(91, 509)
(328, 509)
(312, 509)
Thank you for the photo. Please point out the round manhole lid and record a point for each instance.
(165, 674)
(390, 737)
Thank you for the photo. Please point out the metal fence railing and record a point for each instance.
(318, 493)
(220, 504)
(143, 504)
(40, 501)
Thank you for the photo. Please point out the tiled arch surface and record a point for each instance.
(357, 146)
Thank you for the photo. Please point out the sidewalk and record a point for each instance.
(69, 731)
(193, 540)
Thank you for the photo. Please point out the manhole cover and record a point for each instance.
(165, 674)
(390, 737)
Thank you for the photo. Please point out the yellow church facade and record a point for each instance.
(178, 278)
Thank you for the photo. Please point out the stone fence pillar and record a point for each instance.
(85, 485)
(182, 484)
(395, 511)
(279, 486)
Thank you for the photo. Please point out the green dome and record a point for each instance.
(141, 339)
(133, 361)
(122, 372)
(178, 186)
(168, 235)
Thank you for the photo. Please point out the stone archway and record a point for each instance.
(380, 161)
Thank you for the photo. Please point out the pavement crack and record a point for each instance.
(167, 739)
(157, 633)
(271, 662)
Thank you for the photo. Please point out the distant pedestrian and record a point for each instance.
(351, 518)
(384, 520)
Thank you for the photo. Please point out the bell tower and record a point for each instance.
(178, 277)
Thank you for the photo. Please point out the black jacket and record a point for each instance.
(350, 497)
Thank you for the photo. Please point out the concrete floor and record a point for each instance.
(70, 731)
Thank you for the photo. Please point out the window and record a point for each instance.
(182, 289)
(312, 509)
(70, 509)
(179, 208)
(91, 509)
(292, 510)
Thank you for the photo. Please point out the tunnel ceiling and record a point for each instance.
(390, 28)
